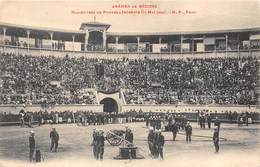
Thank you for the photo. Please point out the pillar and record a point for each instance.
(181, 42)
(138, 43)
(73, 40)
(4, 30)
(104, 40)
(86, 40)
(117, 38)
(192, 45)
(51, 35)
(238, 42)
(160, 40)
(226, 36)
(28, 38)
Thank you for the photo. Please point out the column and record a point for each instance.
(160, 40)
(181, 43)
(238, 42)
(28, 38)
(104, 40)
(192, 45)
(73, 40)
(51, 35)
(4, 30)
(86, 40)
(226, 36)
(138, 44)
(117, 38)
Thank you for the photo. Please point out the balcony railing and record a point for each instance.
(116, 55)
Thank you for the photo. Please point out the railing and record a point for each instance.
(115, 55)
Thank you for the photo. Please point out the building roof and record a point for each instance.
(94, 23)
(46, 29)
(219, 31)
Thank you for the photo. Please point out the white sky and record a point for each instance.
(210, 14)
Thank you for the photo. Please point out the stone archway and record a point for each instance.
(109, 105)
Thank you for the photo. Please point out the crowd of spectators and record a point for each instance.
(197, 81)
(55, 80)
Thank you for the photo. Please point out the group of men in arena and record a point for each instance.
(54, 137)
(155, 140)
(203, 119)
(155, 143)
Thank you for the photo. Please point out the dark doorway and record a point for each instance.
(110, 105)
(95, 41)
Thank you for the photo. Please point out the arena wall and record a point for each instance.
(188, 108)
(125, 108)
(16, 108)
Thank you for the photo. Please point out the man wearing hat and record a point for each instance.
(159, 143)
(100, 144)
(129, 137)
(188, 130)
(175, 129)
(216, 139)
(31, 145)
(94, 142)
(54, 136)
(150, 140)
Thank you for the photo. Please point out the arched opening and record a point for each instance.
(109, 105)
(95, 41)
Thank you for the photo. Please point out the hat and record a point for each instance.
(32, 132)
(150, 128)
(159, 130)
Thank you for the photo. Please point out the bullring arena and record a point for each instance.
(91, 78)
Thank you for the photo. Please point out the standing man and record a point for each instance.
(22, 114)
(188, 130)
(159, 142)
(174, 129)
(209, 121)
(150, 140)
(129, 137)
(54, 136)
(94, 142)
(216, 139)
(100, 145)
(31, 145)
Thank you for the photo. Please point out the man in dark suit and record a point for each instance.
(100, 144)
(216, 139)
(174, 129)
(54, 139)
(129, 137)
(31, 145)
(159, 143)
(150, 140)
(209, 121)
(188, 130)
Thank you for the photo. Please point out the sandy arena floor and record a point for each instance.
(241, 147)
